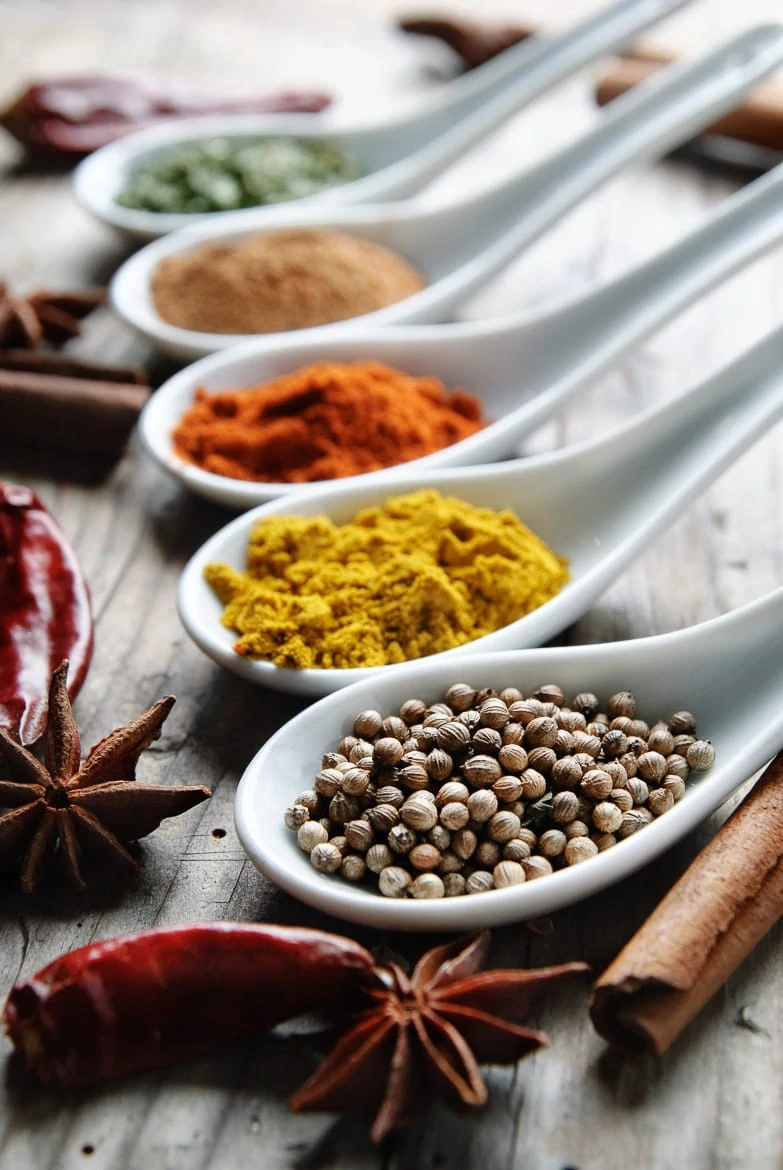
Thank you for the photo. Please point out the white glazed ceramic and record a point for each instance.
(523, 367)
(398, 157)
(460, 247)
(599, 504)
(729, 672)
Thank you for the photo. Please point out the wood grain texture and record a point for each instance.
(713, 1103)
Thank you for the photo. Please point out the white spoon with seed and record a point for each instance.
(397, 157)
(599, 504)
(522, 367)
(460, 247)
(728, 672)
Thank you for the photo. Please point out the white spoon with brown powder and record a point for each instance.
(522, 367)
(599, 504)
(459, 248)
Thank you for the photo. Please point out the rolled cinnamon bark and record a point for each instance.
(89, 416)
(710, 921)
(759, 120)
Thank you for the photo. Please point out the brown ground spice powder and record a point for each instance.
(280, 280)
(324, 421)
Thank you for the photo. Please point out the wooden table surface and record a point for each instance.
(714, 1101)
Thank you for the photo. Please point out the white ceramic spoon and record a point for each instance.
(397, 157)
(460, 247)
(522, 367)
(599, 504)
(729, 672)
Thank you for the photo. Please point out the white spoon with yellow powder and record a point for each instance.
(598, 504)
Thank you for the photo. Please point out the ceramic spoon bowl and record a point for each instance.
(522, 367)
(460, 248)
(397, 157)
(729, 672)
(599, 504)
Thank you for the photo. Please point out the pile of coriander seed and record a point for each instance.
(489, 789)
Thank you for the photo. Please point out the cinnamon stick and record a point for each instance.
(88, 415)
(37, 361)
(711, 920)
(758, 121)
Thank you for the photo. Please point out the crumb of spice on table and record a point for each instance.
(416, 575)
(324, 421)
(487, 789)
(276, 281)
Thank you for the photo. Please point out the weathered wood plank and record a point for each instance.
(711, 1103)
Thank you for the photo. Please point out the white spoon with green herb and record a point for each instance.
(393, 158)
(599, 504)
(728, 672)
(459, 248)
(521, 367)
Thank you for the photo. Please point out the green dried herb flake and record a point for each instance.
(224, 175)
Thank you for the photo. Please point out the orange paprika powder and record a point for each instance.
(324, 421)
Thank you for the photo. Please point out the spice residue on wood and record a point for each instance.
(324, 421)
(486, 789)
(419, 574)
(280, 280)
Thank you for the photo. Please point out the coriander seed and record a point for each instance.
(393, 881)
(401, 839)
(413, 711)
(439, 764)
(533, 784)
(454, 885)
(661, 801)
(622, 703)
(516, 850)
(552, 843)
(418, 814)
(482, 805)
(359, 835)
(700, 755)
(310, 834)
(507, 873)
(682, 723)
(388, 750)
(487, 855)
(367, 724)
(454, 815)
(427, 885)
(579, 849)
(390, 794)
(353, 868)
(479, 882)
(675, 785)
(565, 807)
(652, 766)
(607, 817)
(536, 867)
(378, 858)
(425, 857)
(586, 704)
(295, 816)
(326, 857)
(464, 843)
(576, 828)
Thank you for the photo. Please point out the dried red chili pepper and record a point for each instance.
(150, 999)
(45, 613)
(69, 117)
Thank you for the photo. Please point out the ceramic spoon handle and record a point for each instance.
(584, 338)
(491, 228)
(478, 103)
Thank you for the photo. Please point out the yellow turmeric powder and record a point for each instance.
(421, 574)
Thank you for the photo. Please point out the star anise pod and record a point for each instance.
(28, 322)
(435, 1026)
(83, 813)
